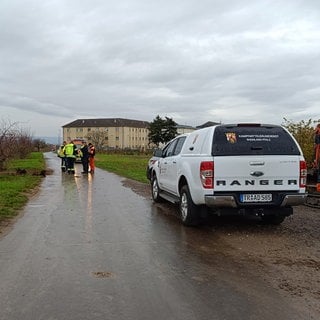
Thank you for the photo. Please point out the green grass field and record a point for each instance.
(128, 166)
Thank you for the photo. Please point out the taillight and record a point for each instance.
(206, 174)
(303, 174)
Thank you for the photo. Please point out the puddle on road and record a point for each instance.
(36, 205)
(103, 274)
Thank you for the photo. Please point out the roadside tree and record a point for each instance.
(303, 131)
(162, 130)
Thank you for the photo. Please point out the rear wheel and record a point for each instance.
(189, 212)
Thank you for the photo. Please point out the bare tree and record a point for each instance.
(6, 139)
(14, 142)
(97, 138)
(24, 143)
(39, 144)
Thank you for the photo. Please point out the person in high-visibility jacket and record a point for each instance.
(70, 150)
(63, 157)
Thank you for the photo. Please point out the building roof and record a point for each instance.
(106, 122)
(207, 124)
(181, 126)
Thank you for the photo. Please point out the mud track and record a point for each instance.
(287, 256)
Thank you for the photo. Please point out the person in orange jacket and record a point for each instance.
(92, 152)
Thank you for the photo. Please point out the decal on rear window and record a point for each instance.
(259, 137)
(231, 137)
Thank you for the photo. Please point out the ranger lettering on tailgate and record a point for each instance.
(257, 182)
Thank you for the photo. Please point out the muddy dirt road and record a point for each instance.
(96, 247)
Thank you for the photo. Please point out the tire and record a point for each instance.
(189, 212)
(155, 190)
(273, 219)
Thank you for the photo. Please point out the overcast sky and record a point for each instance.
(190, 60)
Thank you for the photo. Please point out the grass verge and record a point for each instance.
(15, 189)
(128, 166)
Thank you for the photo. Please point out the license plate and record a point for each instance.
(256, 197)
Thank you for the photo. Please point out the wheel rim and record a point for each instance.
(155, 189)
(184, 206)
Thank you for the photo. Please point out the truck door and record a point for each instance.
(172, 165)
(165, 164)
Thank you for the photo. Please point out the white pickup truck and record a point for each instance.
(244, 169)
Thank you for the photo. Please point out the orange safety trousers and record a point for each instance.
(91, 163)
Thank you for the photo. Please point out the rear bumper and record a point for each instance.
(229, 201)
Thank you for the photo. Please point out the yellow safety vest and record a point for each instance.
(60, 152)
(69, 150)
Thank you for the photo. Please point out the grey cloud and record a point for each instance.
(23, 103)
(195, 61)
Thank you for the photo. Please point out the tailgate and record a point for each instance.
(256, 173)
